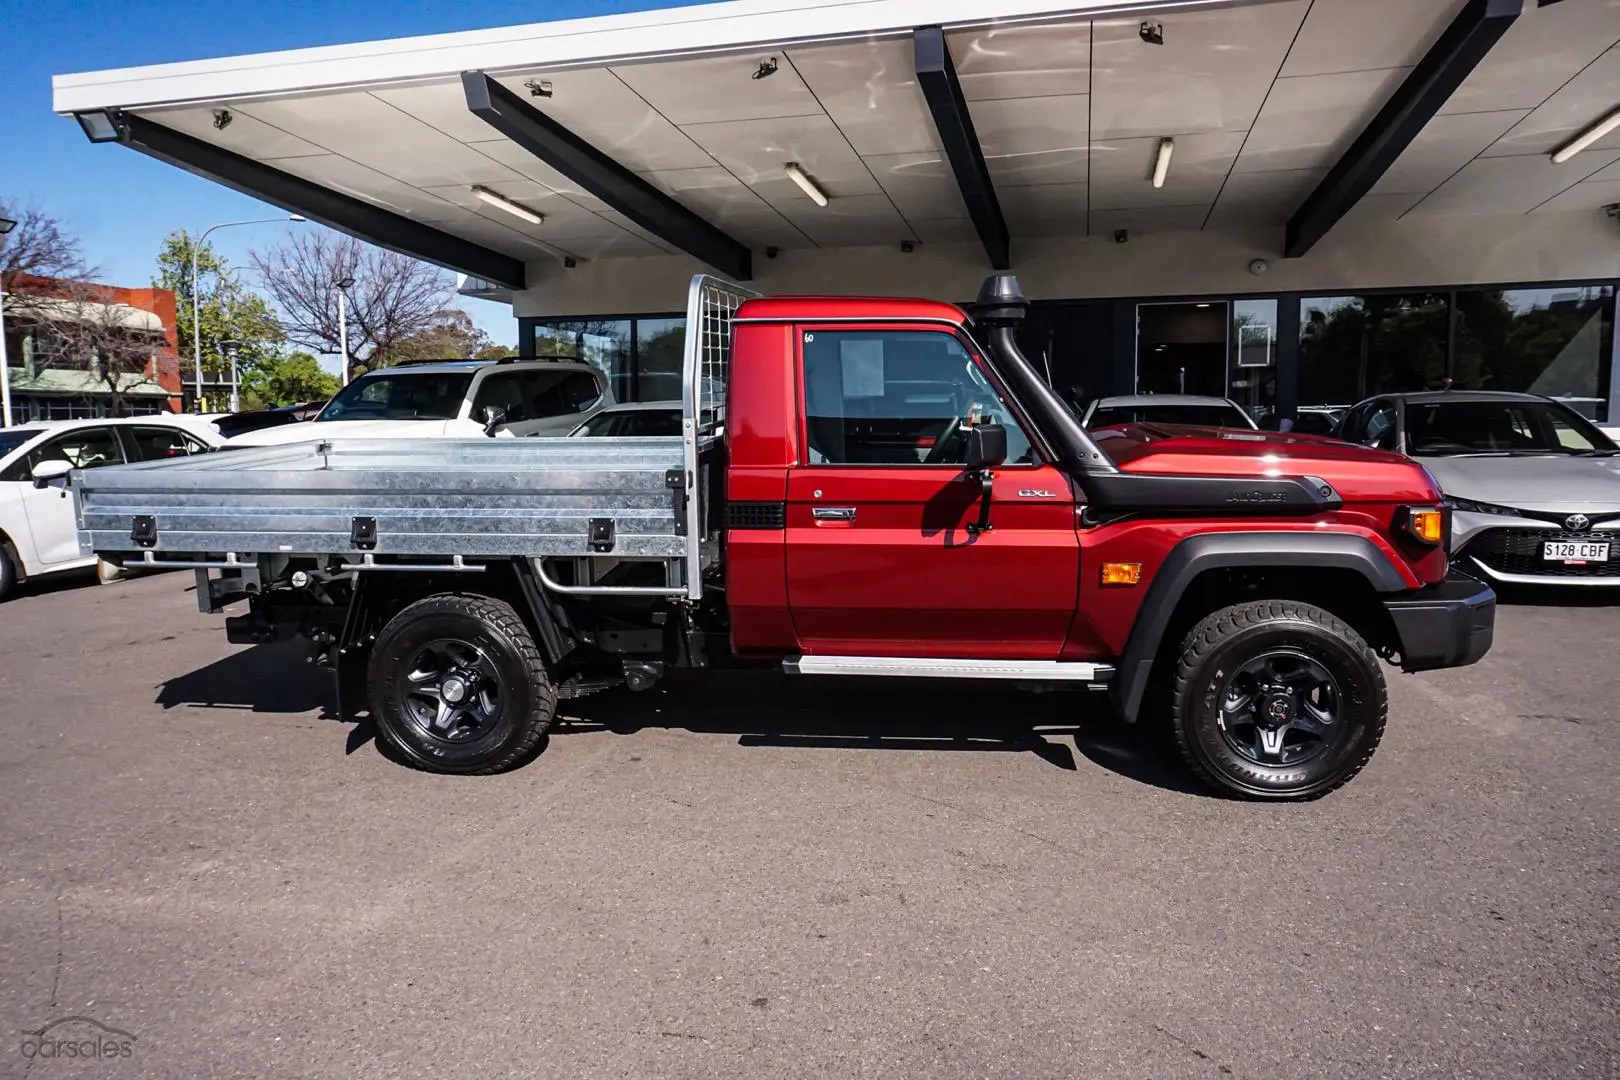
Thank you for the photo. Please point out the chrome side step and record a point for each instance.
(920, 667)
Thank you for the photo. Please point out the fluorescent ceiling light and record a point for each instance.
(509, 206)
(806, 185)
(1587, 138)
(1161, 165)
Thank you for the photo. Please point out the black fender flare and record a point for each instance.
(1214, 551)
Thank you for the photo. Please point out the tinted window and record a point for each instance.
(1354, 347)
(400, 396)
(1198, 415)
(164, 442)
(87, 448)
(1380, 431)
(1529, 427)
(640, 422)
(12, 438)
(1554, 342)
(606, 344)
(897, 398)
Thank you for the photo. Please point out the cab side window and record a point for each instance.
(1380, 432)
(898, 397)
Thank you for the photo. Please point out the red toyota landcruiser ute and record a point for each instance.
(863, 486)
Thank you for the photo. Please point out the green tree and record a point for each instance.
(228, 310)
(451, 335)
(290, 380)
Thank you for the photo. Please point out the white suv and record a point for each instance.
(37, 532)
(457, 398)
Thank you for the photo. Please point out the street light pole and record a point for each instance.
(196, 302)
(6, 225)
(232, 349)
(343, 288)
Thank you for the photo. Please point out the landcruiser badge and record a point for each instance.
(1577, 523)
(1036, 493)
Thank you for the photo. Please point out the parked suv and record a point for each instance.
(1533, 486)
(458, 398)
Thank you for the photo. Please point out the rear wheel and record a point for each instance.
(457, 685)
(1277, 700)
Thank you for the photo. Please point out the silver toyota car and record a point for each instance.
(1533, 486)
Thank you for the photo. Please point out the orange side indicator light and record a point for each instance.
(1122, 573)
(1427, 525)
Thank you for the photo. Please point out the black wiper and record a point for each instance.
(1597, 453)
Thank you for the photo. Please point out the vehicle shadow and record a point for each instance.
(758, 709)
(765, 709)
(262, 679)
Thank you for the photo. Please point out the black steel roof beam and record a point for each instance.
(603, 177)
(936, 75)
(1426, 89)
(333, 209)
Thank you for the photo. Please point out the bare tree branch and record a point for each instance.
(36, 254)
(90, 330)
(393, 297)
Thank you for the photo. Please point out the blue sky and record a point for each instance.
(121, 203)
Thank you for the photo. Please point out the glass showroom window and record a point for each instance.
(1252, 380)
(660, 351)
(606, 343)
(1351, 347)
(1556, 341)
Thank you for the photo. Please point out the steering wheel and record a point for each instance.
(945, 444)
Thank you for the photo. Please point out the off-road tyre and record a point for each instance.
(527, 696)
(1234, 636)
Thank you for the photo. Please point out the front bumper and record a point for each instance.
(1446, 625)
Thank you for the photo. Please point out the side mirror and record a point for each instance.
(46, 471)
(986, 446)
(494, 417)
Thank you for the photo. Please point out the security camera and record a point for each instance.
(907, 246)
(1152, 33)
(569, 262)
(1121, 236)
(1258, 267)
(222, 119)
(540, 88)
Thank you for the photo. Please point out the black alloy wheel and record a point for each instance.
(1276, 699)
(456, 685)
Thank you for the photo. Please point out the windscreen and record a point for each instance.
(15, 437)
(387, 395)
(1196, 415)
(1500, 427)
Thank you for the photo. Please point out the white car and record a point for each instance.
(37, 532)
(631, 419)
(1193, 409)
(456, 398)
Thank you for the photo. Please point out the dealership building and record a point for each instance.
(1298, 203)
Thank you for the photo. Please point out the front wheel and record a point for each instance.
(1277, 700)
(457, 685)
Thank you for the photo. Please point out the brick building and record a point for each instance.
(52, 378)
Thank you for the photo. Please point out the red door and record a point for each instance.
(879, 558)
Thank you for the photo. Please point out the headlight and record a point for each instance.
(1469, 507)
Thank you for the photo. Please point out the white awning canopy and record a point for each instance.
(55, 309)
(1069, 102)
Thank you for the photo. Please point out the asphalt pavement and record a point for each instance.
(757, 877)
